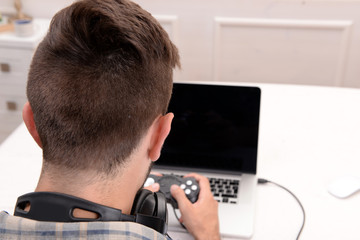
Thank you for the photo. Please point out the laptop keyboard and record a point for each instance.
(224, 190)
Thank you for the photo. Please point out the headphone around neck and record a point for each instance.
(148, 209)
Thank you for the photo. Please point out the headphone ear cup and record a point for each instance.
(144, 203)
(150, 203)
(161, 206)
(150, 210)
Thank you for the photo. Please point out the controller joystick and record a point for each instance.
(188, 184)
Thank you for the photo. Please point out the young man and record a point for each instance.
(98, 91)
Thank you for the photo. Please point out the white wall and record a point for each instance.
(289, 41)
(36, 8)
(283, 41)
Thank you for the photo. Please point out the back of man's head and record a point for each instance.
(97, 82)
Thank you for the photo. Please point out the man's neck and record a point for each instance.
(118, 192)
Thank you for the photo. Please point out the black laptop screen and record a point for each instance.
(214, 128)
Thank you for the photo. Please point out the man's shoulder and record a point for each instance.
(12, 227)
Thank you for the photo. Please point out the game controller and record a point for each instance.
(188, 184)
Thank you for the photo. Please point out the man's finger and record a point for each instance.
(180, 197)
(156, 173)
(153, 187)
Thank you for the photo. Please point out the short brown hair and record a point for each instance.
(97, 81)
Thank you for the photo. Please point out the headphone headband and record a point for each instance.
(58, 207)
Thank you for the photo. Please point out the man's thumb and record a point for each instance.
(179, 195)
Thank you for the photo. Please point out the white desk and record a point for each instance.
(308, 137)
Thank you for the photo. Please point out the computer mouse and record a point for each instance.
(345, 186)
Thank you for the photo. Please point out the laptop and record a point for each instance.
(215, 133)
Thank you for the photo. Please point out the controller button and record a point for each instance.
(182, 186)
(187, 191)
(194, 187)
(189, 182)
(149, 181)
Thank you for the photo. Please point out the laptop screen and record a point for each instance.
(215, 128)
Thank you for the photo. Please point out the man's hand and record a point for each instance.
(200, 218)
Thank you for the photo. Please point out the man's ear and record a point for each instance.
(28, 117)
(162, 126)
